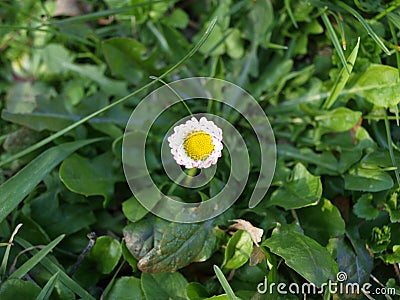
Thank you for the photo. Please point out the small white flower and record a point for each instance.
(196, 144)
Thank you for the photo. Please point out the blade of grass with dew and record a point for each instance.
(3, 266)
(34, 260)
(390, 146)
(335, 40)
(342, 78)
(117, 102)
(15, 189)
(53, 268)
(225, 285)
(367, 27)
(48, 288)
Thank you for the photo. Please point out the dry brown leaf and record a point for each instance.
(256, 256)
(255, 232)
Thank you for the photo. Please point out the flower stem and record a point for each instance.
(175, 92)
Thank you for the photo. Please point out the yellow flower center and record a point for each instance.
(198, 145)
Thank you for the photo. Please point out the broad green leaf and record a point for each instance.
(124, 56)
(133, 210)
(180, 245)
(380, 85)
(144, 235)
(304, 255)
(127, 288)
(234, 44)
(337, 120)
(353, 256)
(303, 189)
(238, 250)
(128, 256)
(18, 289)
(14, 190)
(54, 56)
(105, 254)
(364, 208)
(325, 162)
(196, 291)
(95, 73)
(367, 180)
(321, 222)
(89, 177)
(178, 18)
(34, 260)
(164, 286)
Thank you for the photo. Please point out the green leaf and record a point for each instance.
(54, 56)
(225, 285)
(54, 268)
(180, 245)
(364, 208)
(335, 41)
(304, 255)
(178, 18)
(196, 291)
(133, 210)
(164, 286)
(367, 180)
(144, 235)
(337, 120)
(124, 56)
(380, 85)
(342, 78)
(322, 222)
(48, 288)
(14, 190)
(95, 73)
(89, 177)
(105, 254)
(393, 206)
(18, 289)
(34, 260)
(238, 250)
(127, 288)
(304, 189)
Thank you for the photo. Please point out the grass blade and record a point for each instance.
(225, 285)
(64, 278)
(108, 107)
(342, 78)
(290, 13)
(367, 27)
(14, 190)
(3, 266)
(48, 288)
(34, 260)
(390, 146)
(335, 40)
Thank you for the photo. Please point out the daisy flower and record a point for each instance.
(196, 144)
